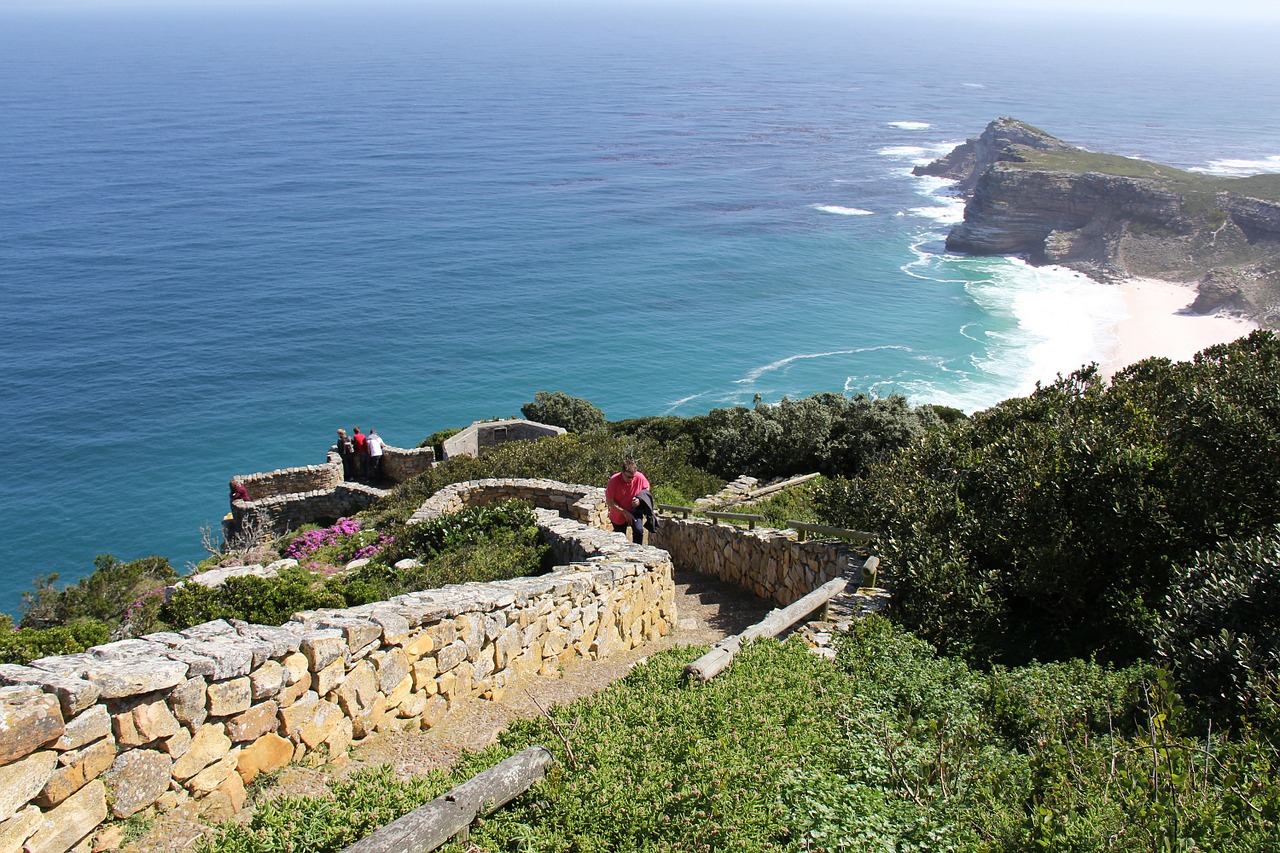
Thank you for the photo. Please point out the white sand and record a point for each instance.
(1160, 323)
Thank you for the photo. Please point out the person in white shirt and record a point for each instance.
(376, 447)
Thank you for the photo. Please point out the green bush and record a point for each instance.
(1049, 526)
(559, 409)
(24, 645)
(105, 595)
(827, 433)
(892, 747)
(263, 601)
(1222, 633)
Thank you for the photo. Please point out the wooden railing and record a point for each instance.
(806, 528)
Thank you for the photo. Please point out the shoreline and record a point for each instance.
(1160, 323)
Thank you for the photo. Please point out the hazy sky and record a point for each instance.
(1256, 10)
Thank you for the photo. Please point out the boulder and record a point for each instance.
(267, 753)
(23, 779)
(68, 824)
(136, 779)
(29, 719)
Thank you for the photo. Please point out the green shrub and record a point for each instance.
(1049, 526)
(104, 595)
(24, 645)
(264, 601)
(1222, 633)
(559, 409)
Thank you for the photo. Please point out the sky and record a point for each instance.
(1238, 10)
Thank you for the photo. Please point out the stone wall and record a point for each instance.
(282, 513)
(188, 718)
(479, 437)
(400, 463)
(309, 478)
(768, 563)
(582, 503)
(282, 500)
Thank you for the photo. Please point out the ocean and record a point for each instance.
(228, 230)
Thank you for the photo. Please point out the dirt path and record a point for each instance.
(708, 611)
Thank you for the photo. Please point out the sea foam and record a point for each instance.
(1240, 168)
(843, 211)
(910, 125)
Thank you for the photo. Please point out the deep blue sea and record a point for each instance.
(225, 231)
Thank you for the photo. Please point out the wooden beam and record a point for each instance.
(715, 661)
(431, 825)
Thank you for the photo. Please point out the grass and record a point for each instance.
(890, 747)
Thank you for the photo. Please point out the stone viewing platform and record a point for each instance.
(186, 719)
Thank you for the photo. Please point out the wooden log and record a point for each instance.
(777, 487)
(431, 825)
(714, 662)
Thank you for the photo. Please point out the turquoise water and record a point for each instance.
(228, 232)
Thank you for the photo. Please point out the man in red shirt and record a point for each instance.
(621, 496)
(361, 444)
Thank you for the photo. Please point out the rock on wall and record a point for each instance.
(768, 563)
(171, 718)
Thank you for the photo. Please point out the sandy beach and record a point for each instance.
(1160, 323)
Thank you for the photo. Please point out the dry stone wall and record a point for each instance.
(190, 717)
(288, 498)
(585, 504)
(768, 563)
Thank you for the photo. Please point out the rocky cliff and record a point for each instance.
(1111, 217)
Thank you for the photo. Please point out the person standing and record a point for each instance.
(361, 443)
(347, 450)
(622, 496)
(376, 447)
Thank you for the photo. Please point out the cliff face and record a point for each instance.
(1112, 217)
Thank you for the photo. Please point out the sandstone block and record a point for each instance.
(209, 745)
(365, 723)
(331, 676)
(296, 668)
(176, 747)
(29, 719)
(119, 679)
(447, 683)
(357, 691)
(401, 690)
(295, 691)
(323, 647)
(65, 826)
(451, 655)
(434, 711)
(136, 779)
(269, 752)
(357, 633)
(230, 697)
(17, 829)
(214, 775)
(23, 779)
(395, 628)
(424, 675)
(77, 769)
(339, 739)
(143, 720)
(91, 725)
(74, 694)
(253, 723)
(420, 644)
(224, 802)
(310, 722)
(392, 667)
(412, 705)
(188, 702)
(266, 681)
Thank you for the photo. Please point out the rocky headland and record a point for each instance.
(1114, 218)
